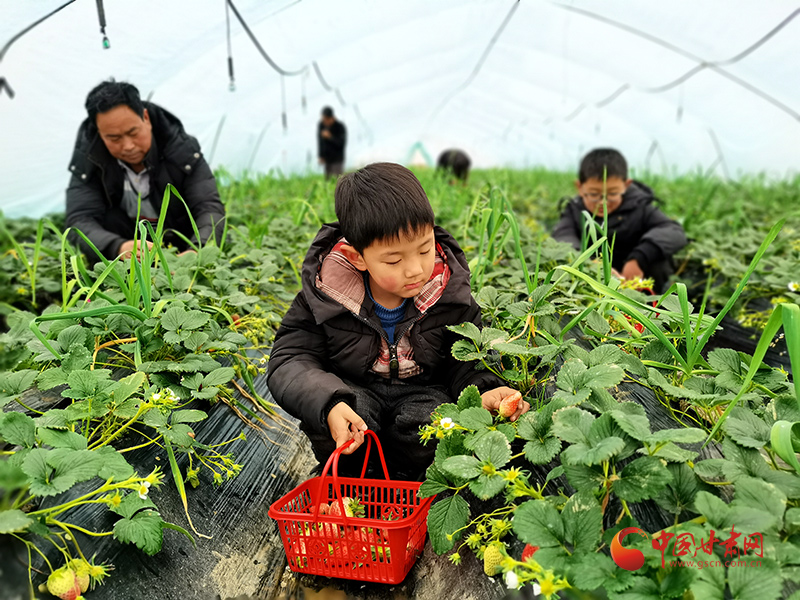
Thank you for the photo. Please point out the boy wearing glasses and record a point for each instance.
(643, 238)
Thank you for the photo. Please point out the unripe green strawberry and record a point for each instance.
(509, 405)
(64, 584)
(492, 558)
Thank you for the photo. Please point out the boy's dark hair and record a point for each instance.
(379, 202)
(110, 94)
(603, 162)
(456, 161)
(327, 112)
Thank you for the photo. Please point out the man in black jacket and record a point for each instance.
(365, 343)
(331, 140)
(644, 238)
(127, 149)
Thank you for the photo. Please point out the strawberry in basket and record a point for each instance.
(352, 507)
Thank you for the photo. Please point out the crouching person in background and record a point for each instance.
(644, 238)
(454, 162)
(365, 343)
(127, 149)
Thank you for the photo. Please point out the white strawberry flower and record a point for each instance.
(447, 423)
(794, 286)
(144, 488)
(512, 581)
(155, 397)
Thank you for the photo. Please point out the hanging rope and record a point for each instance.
(480, 62)
(31, 26)
(283, 106)
(101, 15)
(260, 48)
(716, 66)
(231, 79)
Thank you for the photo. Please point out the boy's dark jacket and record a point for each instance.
(637, 228)
(97, 182)
(320, 341)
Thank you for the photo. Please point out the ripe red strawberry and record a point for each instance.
(352, 507)
(509, 404)
(528, 552)
(64, 584)
(324, 508)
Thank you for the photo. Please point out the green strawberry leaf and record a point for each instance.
(763, 583)
(725, 360)
(681, 435)
(114, 465)
(469, 397)
(542, 451)
(468, 330)
(585, 454)
(463, 467)
(465, 351)
(592, 570)
(447, 517)
(641, 479)
(583, 478)
(603, 376)
(494, 448)
(583, 522)
(219, 376)
(188, 416)
(17, 429)
(144, 530)
(571, 377)
(746, 429)
(435, 482)
(131, 504)
(127, 386)
(474, 418)
(13, 520)
(487, 486)
(61, 439)
(537, 522)
(43, 481)
(572, 425)
(632, 419)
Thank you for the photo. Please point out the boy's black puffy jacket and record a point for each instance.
(320, 341)
(637, 228)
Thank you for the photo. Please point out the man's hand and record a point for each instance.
(345, 425)
(185, 252)
(321, 160)
(126, 248)
(631, 270)
(326, 134)
(492, 399)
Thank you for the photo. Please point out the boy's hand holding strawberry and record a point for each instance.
(505, 401)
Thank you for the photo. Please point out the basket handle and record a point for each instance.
(333, 460)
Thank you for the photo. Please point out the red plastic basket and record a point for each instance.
(382, 546)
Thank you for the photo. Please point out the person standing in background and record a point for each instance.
(331, 140)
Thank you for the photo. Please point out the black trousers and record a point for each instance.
(395, 411)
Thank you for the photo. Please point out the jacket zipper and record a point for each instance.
(394, 361)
